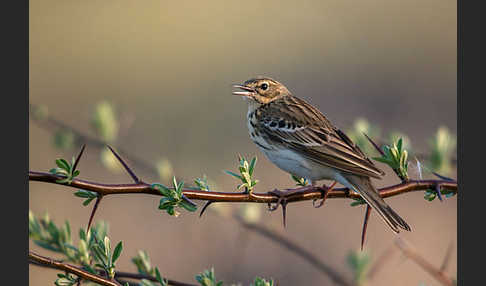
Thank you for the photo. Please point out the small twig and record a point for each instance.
(51, 263)
(95, 207)
(424, 264)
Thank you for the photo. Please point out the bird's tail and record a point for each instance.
(368, 192)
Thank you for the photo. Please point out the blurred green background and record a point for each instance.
(167, 69)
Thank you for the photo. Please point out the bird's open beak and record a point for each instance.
(246, 91)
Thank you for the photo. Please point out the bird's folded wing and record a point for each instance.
(317, 140)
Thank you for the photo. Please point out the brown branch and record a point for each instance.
(295, 248)
(307, 193)
(410, 253)
(138, 276)
(51, 263)
(39, 260)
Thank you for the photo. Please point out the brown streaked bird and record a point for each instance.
(300, 140)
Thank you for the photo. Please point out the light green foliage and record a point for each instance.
(394, 136)
(357, 202)
(207, 278)
(142, 262)
(104, 121)
(93, 252)
(164, 169)
(430, 195)
(88, 195)
(396, 157)
(360, 127)
(39, 112)
(442, 146)
(64, 139)
(110, 161)
(359, 262)
(106, 258)
(250, 213)
(144, 267)
(65, 169)
(262, 282)
(300, 181)
(246, 173)
(47, 235)
(202, 184)
(173, 197)
(65, 280)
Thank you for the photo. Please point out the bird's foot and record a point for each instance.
(324, 192)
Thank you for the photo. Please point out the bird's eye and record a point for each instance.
(264, 86)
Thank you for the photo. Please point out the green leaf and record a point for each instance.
(399, 145)
(188, 206)
(63, 164)
(357, 202)
(234, 175)
(90, 269)
(252, 165)
(165, 191)
(117, 252)
(157, 275)
(46, 246)
(86, 202)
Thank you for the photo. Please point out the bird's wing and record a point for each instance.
(301, 127)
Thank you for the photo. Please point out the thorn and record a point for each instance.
(93, 211)
(79, 157)
(130, 172)
(374, 144)
(189, 201)
(437, 190)
(443, 177)
(205, 207)
(284, 212)
(365, 225)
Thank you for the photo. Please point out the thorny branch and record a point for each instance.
(51, 263)
(304, 194)
(40, 260)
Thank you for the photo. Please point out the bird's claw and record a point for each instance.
(324, 192)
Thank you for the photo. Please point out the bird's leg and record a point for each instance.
(324, 191)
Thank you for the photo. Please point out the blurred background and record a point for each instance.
(163, 70)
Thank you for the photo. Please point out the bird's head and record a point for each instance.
(261, 90)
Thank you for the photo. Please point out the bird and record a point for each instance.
(300, 140)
